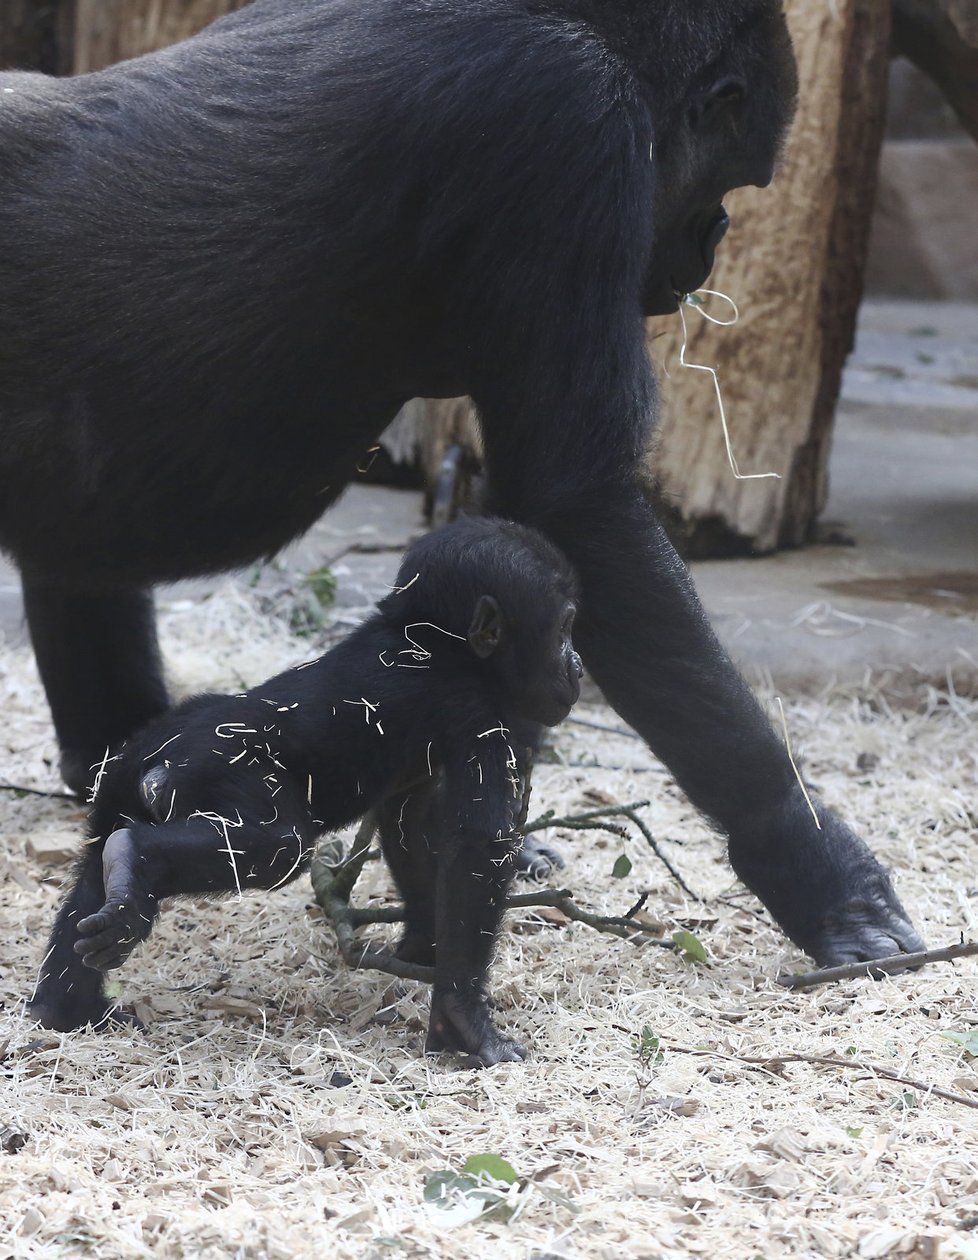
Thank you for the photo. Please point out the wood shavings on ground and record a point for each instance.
(279, 1105)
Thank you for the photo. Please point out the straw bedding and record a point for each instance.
(279, 1105)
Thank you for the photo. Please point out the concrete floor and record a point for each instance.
(904, 488)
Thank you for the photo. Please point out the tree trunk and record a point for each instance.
(794, 261)
(114, 30)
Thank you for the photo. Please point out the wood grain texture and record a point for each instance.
(794, 261)
(114, 30)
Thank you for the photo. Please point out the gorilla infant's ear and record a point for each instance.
(486, 630)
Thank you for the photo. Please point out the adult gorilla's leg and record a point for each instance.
(99, 661)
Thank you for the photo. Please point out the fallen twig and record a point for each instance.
(562, 899)
(602, 726)
(591, 820)
(771, 1062)
(877, 966)
(334, 876)
(31, 791)
(332, 884)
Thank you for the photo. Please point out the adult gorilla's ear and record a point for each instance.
(486, 631)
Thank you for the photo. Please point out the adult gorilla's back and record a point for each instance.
(224, 266)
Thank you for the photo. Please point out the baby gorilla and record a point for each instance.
(427, 713)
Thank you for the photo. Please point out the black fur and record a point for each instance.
(224, 266)
(427, 713)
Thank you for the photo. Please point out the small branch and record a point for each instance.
(332, 884)
(574, 822)
(590, 820)
(601, 726)
(653, 845)
(30, 791)
(334, 877)
(773, 1061)
(376, 914)
(877, 967)
(562, 899)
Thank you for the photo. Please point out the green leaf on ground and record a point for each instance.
(968, 1041)
(493, 1166)
(693, 948)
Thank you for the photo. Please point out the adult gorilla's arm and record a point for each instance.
(647, 642)
(564, 446)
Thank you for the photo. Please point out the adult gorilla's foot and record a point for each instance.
(825, 888)
(78, 771)
(66, 1015)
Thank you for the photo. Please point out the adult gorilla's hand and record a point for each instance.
(831, 895)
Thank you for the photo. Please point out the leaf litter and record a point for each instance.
(279, 1104)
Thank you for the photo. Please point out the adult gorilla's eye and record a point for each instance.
(720, 97)
(730, 91)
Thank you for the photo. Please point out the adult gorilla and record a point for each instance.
(226, 265)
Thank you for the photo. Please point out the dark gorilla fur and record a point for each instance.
(427, 713)
(225, 266)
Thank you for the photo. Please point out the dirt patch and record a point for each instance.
(948, 591)
(279, 1105)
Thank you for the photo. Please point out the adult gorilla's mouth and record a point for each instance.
(716, 230)
(709, 232)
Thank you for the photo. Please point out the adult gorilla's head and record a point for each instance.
(720, 83)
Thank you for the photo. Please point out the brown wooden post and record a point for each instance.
(113, 30)
(794, 262)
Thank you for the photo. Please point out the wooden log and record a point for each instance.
(794, 262)
(114, 30)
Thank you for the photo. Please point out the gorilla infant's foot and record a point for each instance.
(825, 888)
(465, 1025)
(108, 937)
(416, 947)
(536, 860)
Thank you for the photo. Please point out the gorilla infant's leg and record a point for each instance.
(100, 664)
(69, 995)
(473, 878)
(407, 835)
(126, 917)
(533, 859)
(114, 903)
(476, 848)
